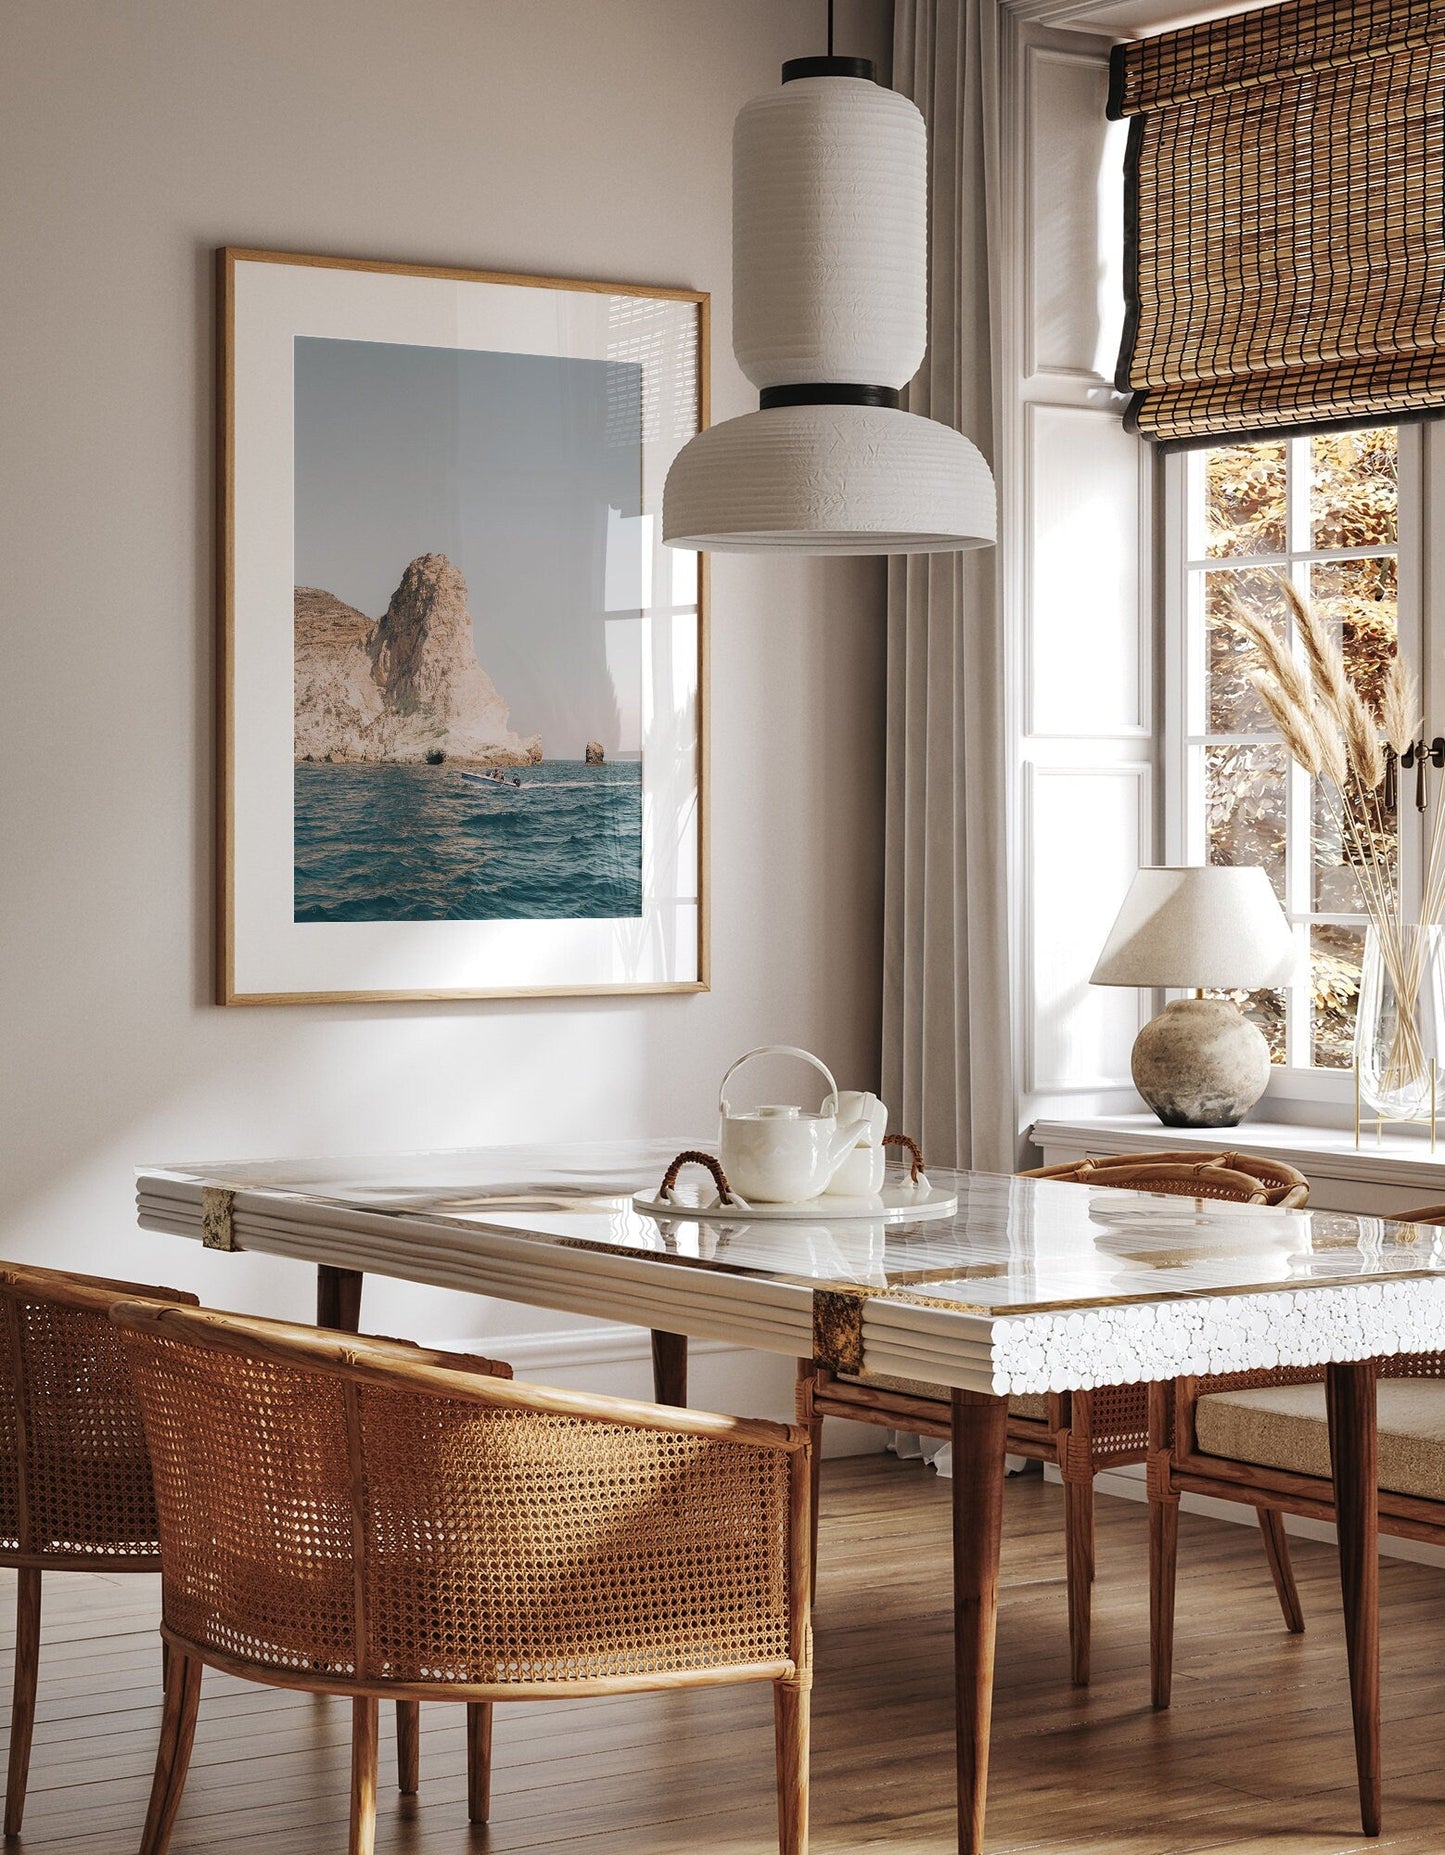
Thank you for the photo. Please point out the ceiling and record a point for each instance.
(1125, 18)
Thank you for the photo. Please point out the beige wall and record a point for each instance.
(561, 136)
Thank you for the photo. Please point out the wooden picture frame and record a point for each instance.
(393, 824)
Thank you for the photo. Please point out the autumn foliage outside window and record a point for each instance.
(1324, 511)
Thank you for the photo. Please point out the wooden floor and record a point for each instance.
(1254, 1757)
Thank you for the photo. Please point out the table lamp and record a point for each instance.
(1200, 1063)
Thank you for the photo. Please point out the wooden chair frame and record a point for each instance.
(1177, 1466)
(38, 1548)
(152, 1332)
(1082, 1432)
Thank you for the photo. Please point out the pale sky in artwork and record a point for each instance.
(508, 464)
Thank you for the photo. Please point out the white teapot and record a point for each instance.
(780, 1154)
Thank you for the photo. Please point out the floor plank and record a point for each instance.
(1253, 1759)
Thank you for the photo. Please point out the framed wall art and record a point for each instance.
(463, 681)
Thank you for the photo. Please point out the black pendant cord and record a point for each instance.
(827, 65)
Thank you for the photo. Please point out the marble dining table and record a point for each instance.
(1028, 1285)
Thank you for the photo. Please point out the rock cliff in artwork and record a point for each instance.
(401, 687)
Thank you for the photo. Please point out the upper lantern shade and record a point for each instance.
(830, 235)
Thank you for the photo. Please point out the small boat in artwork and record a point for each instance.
(494, 776)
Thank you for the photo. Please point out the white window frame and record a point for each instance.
(1183, 714)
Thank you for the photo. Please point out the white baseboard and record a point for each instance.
(1127, 1484)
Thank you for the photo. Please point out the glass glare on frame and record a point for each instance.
(1232, 702)
(1245, 500)
(1337, 954)
(1354, 488)
(1246, 807)
(1267, 1011)
(1360, 599)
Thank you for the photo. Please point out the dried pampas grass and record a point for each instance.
(1362, 739)
(1331, 747)
(1275, 657)
(1400, 715)
(1322, 716)
(1326, 659)
(1294, 722)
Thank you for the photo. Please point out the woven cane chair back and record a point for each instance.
(75, 1478)
(362, 1515)
(1240, 1178)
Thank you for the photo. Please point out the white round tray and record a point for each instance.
(895, 1204)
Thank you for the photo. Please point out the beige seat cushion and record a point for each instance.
(1283, 1427)
(1032, 1404)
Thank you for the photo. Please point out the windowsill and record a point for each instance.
(1384, 1175)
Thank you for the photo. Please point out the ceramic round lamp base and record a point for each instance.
(1200, 1063)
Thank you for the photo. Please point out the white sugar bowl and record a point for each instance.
(861, 1173)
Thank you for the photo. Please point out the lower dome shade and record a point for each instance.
(829, 479)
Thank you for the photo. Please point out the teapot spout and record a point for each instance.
(844, 1141)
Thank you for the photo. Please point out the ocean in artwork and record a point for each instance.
(425, 843)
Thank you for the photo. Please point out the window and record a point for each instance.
(1338, 514)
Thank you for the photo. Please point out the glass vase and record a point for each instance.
(1400, 1026)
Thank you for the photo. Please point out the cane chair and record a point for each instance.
(75, 1481)
(1262, 1439)
(1081, 1432)
(344, 1516)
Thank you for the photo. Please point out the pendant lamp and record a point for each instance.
(830, 252)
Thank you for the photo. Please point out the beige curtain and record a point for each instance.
(947, 1043)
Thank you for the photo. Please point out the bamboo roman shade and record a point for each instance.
(1285, 219)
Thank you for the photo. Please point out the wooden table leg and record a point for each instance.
(338, 1298)
(338, 1306)
(978, 1478)
(1350, 1404)
(669, 1368)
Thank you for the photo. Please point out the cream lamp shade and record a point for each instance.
(1209, 927)
(830, 247)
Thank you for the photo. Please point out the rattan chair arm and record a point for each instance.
(89, 1294)
(1263, 1181)
(632, 1414)
(452, 1362)
(385, 1362)
(1157, 1177)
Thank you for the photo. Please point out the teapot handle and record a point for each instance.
(775, 1049)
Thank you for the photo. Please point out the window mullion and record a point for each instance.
(1299, 828)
